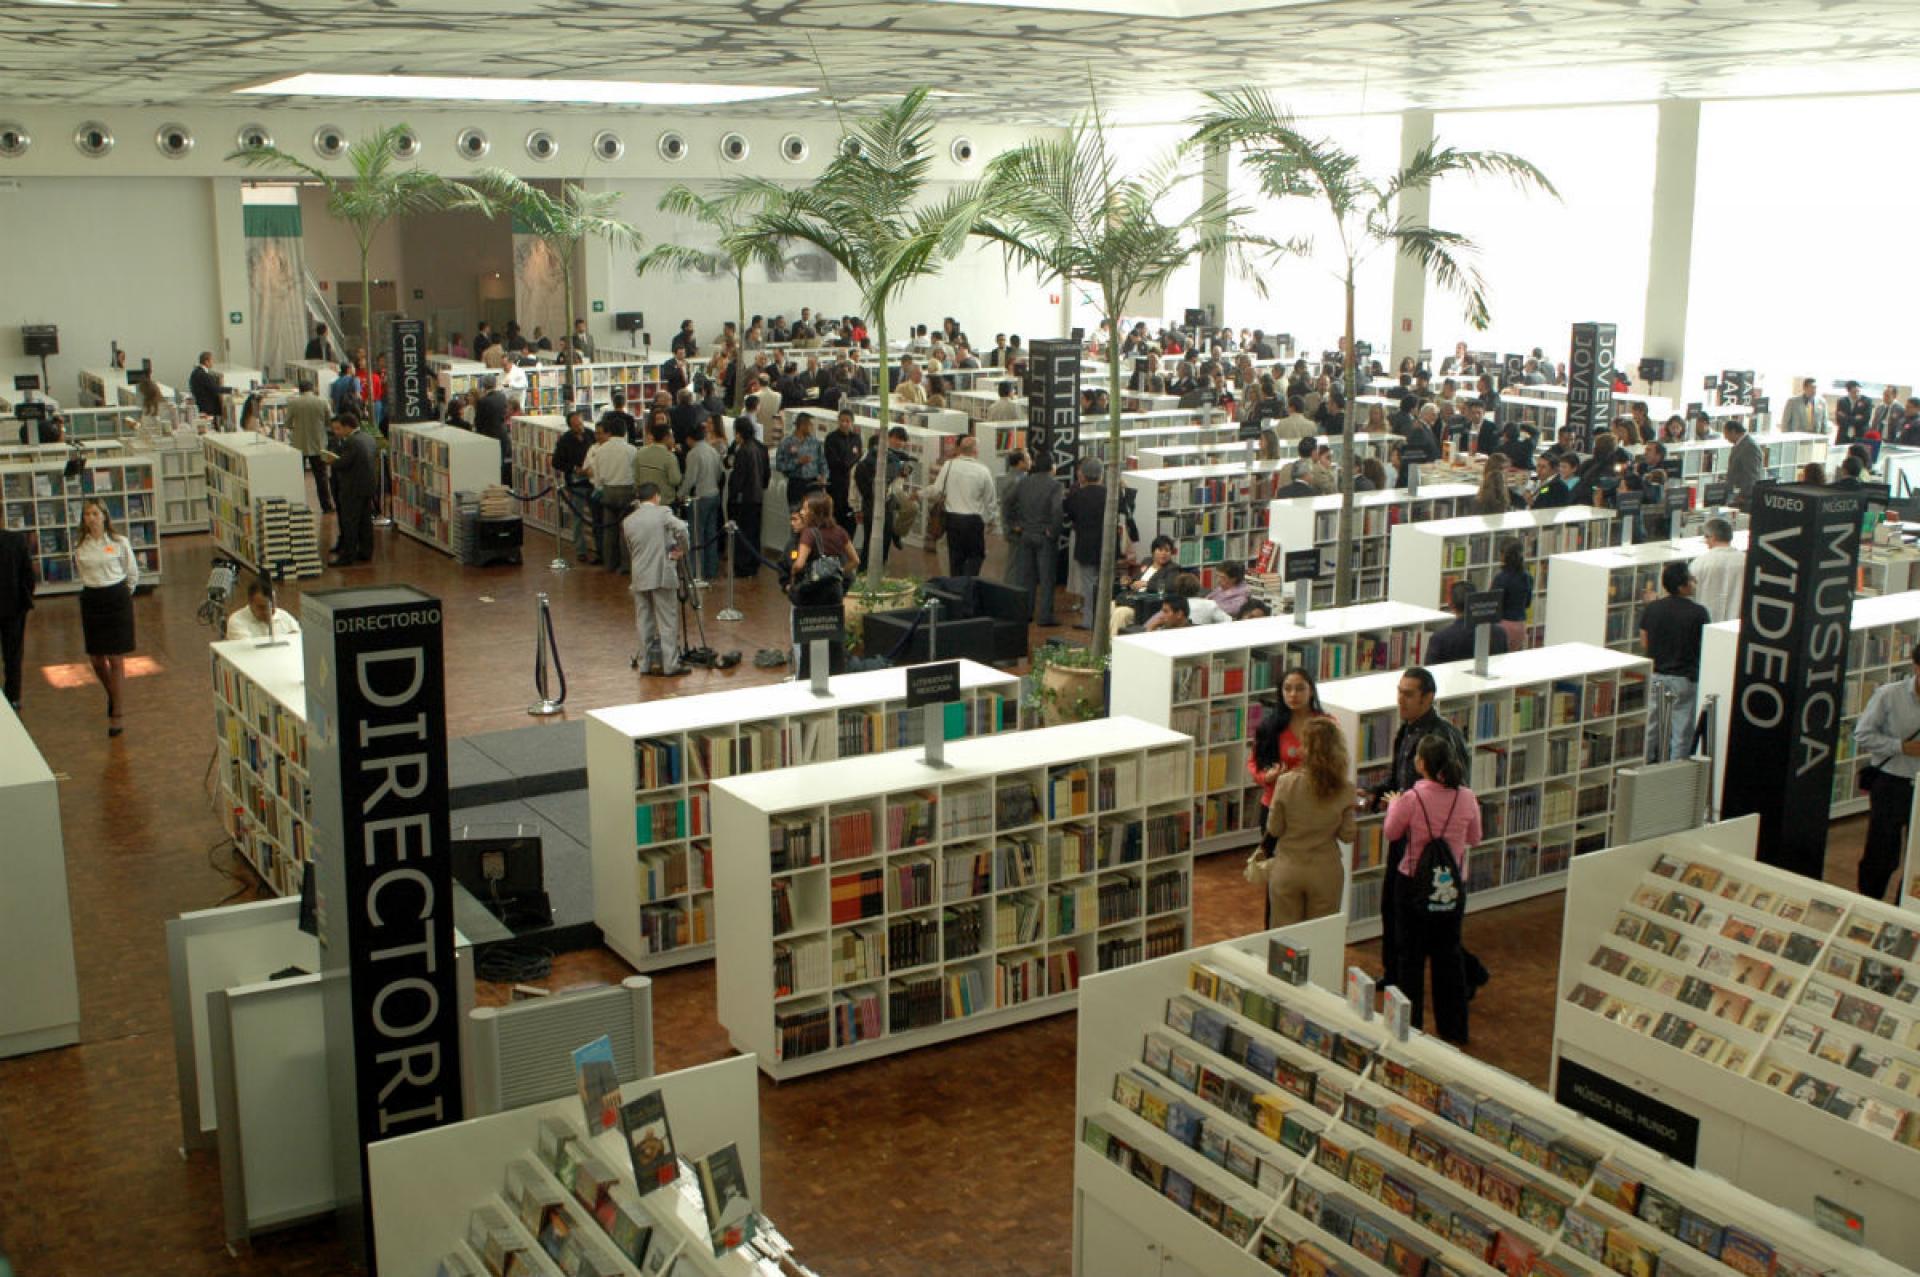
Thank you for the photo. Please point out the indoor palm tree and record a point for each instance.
(376, 192)
(1060, 206)
(738, 248)
(562, 222)
(868, 211)
(1367, 217)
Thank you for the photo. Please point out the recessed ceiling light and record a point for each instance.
(452, 88)
(1171, 9)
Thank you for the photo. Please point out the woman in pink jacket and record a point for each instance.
(1438, 807)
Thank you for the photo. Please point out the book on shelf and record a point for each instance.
(649, 1139)
(723, 1194)
(857, 895)
(597, 1081)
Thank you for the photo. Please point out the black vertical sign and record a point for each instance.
(377, 744)
(409, 397)
(1053, 402)
(1790, 667)
(1590, 381)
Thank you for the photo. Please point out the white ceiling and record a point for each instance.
(1009, 65)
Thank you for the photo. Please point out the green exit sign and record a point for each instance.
(598, 306)
(233, 317)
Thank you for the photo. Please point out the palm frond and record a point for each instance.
(272, 157)
(679, 257)
(1434, 161)
(1441, 255)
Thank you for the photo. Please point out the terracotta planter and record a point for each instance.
(1073, 694)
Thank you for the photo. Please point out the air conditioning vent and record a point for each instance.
(93, 139)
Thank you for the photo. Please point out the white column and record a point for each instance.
(1213, 266)
(593, 282)
(1670, 254)
(1409, 278)
(230, 266)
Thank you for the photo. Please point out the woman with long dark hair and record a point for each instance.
(1311, 815)
(1276, 741)
(108, 570)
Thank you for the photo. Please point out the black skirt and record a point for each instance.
(106, 619)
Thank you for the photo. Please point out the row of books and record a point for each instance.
(1019, 978)
(671, 819)
(676, 926)
(1071, 850)
(1015, 804)
(794, 843)
(910, 820)
(657, 764)
(801, 1031)
(661, 874)
(912, 942)
(857, 895)
(850, 833)
(799, 967)
(856, 1017)
(966, 813)
(1167, 891)
(1069, 793)
(1016, 920)
(912, 883)
(857, 955)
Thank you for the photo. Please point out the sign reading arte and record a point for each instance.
(1053, 402)
(376, 706)
(1790, 669)
(409, 388)
(1590, 380)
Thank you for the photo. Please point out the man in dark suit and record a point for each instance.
(16, 600)
(490, 414)
(1852, 416)
(684, 342)
(356, 477)
(203, 383)
(1745, 462)
(689, 419)
(317, 345)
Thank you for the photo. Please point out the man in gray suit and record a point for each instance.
(656, 541)
(307, 430)
(1807, 411)
(1745, 463)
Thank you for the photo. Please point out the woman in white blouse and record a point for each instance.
(108, 572)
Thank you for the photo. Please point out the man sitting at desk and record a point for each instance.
(260, 619)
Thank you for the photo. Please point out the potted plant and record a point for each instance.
(885, 595)
(1068, 683)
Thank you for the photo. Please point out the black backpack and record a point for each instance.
(1438, 881)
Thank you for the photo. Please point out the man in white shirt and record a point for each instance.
(1720, 573)
(1004, 408)
(972, 507)
(260, 619)
(609, 465)
(910, 389)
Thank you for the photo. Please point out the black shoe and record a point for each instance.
(1477, 975)
(676, 671)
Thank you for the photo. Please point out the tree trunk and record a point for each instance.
(738, 371)
(1343, 550)
(1103, 607)
(877, 511)
(566, 293)
(366, 326)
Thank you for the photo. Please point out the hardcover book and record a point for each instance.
(598, 1081)
(649, 1138)
(723, 1194)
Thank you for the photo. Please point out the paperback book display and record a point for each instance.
(1314, 1143)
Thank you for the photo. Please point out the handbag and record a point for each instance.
(936, 517)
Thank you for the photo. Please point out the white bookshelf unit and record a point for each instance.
(1295, 523)
(533, 439)
(1887, 569)
(594, 384)
(1211, 682)
(1545, 732)
(1231, 1123)
(241, 471)
(431, 463)
(648, 768)
(40, 499)
(429, 1190)
(1775, 1009)
(1880, 639)
(929, 449)
(1425, 559)
(182, 464)
(879, 905)
(36, 921)
(1602, 592)
(1213, 513)
(260, 731)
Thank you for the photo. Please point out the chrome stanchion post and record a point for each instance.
(542, 640)
(560, 510)
(731, 531)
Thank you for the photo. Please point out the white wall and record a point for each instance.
(109, 258)
(452, 258)
(333, 255)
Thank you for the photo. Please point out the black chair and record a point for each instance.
(1007, 609)
(886, 634)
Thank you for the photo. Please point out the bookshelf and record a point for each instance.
(430, 464)
(1887, 569)
(1365, 445)
(182, 465)
(911, 906)
(36, 919)
(929, 449)
(946, 421)
(1777, 1010)
(240, 471)
(653, 891)
(109, 388)
(1546, 731)
(1210, 682)
(1602, 592)
(1213, 513)
(40, 499)
(1425, 559)
(594, 384)
(427, 1190)
(1231, 1123)
(260, 733)
(533, 439)
(1880, 639)
(1294, 523)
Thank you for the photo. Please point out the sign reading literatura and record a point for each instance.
(1790, 669)
(377, 754)
(1053, 402)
